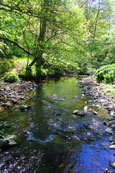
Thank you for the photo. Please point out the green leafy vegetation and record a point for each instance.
(2, 132)
(57, 37)
(6, 64)
(108, 88)
(11, 76)
(106, 74)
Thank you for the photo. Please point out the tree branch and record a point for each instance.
(9, 8)
(16, 44)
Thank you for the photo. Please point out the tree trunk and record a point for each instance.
(38, 59)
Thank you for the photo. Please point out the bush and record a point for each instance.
(106, 73)
(28, 73)
(11, 76)
(5, 64)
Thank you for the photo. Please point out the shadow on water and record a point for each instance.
(50, 138)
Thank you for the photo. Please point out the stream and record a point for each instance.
(51, 138)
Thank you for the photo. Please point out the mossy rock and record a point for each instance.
(11, 76)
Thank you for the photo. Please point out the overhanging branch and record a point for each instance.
(16, 44)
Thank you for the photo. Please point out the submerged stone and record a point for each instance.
(24, 107)
(74, 137)
(8, 142)
(109, 130)
(31, 138)
(107, 171)
(112, 139)
(112, 147)
(112, 113)
(112, 164)
(78, 112)
(113, 126)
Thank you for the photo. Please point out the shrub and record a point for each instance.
(28, 73)
(6, 64)
(106, 73)
(11, 76)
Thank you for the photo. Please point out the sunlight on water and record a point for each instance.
(69, 143)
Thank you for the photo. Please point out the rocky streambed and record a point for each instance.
(90, 88)
(56, 129)
(13, 93)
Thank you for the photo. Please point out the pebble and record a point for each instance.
(112, 147)
(112, 139)
(112, 164)
(24, 107)
(109, 130)
(107, 171)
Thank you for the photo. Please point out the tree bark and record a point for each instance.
(40, 42)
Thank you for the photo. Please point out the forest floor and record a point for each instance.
(100, 94)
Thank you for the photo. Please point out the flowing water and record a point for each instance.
(53, 140)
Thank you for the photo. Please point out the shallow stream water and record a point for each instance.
(53, 140)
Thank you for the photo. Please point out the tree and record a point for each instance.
(98, 14)
(37, 27)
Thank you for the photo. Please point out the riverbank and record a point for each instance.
(13, 93)
(58, 122)
(90, 88)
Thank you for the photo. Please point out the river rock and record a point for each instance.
(85, 108)
(14, 101)
(109, 130)
(112, 143)
(107, 171)
(112, 147)
(24, 107)
(8, 142)
(92, 112)
(111, 122)
(112, 164)
(112, 139)
(8, 104)
(78, 112)
(112, 113)
(105, 123)
(74, 137)
(113, 126)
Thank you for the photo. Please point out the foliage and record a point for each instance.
(106, 73)
(11, 76)
(2, 132)
(2, 44)
(28, 74)
(6, 64)
(59, 36)
(108, 88)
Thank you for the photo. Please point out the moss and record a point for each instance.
(108, 88)
(11, 76)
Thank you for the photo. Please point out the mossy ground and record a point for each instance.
(108, 88)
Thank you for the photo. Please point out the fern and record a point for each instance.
(106, 73)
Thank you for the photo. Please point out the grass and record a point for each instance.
(108, 88)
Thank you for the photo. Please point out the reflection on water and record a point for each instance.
(56, 140)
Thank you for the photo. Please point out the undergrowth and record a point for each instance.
(106, 74)
(11, 76)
